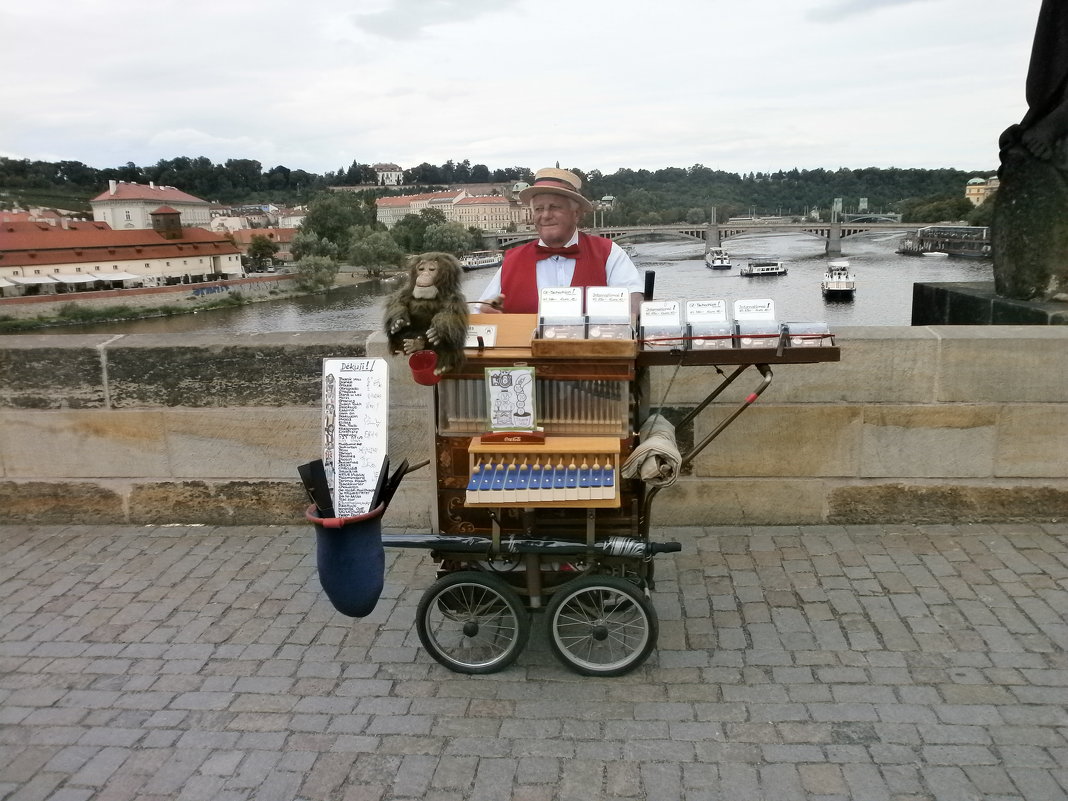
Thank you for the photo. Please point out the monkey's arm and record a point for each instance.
(448, 327)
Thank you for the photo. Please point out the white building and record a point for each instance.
(388, 174)
(977, 190)
(128, 205)
(37, 258)
(487, 212)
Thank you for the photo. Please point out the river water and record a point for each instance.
(883, 297)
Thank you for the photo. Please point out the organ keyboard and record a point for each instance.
(586, 407)
(562, 471)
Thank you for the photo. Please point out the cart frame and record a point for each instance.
(591, 583)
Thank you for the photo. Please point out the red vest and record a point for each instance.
(519, 281)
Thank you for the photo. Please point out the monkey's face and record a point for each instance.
(426, 273)
(426, 278)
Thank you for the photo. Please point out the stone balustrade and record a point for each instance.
(915, 424)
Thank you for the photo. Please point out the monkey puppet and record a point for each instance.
(429, 311)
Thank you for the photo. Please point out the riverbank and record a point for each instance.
(39, 312)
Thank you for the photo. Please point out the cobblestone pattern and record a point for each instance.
(879, 663)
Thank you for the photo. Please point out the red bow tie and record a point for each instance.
(544, 251)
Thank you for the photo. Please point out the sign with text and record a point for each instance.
(560, 301)
(487, 333)
(606, 302)
(763, 309)
(661, 314)
(355, 430)
(706, 311)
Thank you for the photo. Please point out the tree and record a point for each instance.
(315, 273)
(332, 214)
(261, 249)
(375, 252)
(450, 237)
(983, 214)
(411, 229)
(305, 243)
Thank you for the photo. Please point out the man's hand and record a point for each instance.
(494, 306)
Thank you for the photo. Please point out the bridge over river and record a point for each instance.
(713, 235)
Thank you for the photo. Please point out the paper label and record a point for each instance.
(355, 430)
(763, 309)
(706, 311)
(607, 301)
(560, 301)
(661, 314)
(487, 332)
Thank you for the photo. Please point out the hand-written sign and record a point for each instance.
(706, 311)
(560, 301)
(763, 309)
(355, 430)
(607, 302)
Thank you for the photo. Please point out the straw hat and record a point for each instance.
(556, 182)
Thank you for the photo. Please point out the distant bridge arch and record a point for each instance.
(714, 234)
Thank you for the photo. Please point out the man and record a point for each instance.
(561, 256)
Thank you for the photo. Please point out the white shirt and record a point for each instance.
(559, 270)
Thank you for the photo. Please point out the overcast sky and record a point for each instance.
(737, 85)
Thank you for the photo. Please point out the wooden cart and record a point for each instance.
(581, 561)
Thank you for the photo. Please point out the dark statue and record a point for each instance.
(1030, 227)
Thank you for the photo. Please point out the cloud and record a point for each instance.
(407, 19)
(839, 10)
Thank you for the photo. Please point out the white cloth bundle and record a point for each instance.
(656, 460)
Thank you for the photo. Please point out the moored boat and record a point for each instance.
(480, 259)
(717, 259)
(839, 280)
(755, 268)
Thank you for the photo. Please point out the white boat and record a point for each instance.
(480, 259)
(717, 259)
(754, 268)
(839, 280)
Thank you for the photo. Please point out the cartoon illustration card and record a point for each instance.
(511, 398)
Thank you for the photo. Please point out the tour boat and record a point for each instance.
(755, 268)
(479, 259)
(838, 281)
(717, 259)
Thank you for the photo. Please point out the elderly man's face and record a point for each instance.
(556, 218)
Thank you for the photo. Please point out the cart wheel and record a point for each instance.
(601, 625)
(472, 622)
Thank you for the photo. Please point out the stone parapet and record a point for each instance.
(915, 424)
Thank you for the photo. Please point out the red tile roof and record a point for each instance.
(39, 243)
(128, 191)
(484, 200)
(407, 200)
(282, 236)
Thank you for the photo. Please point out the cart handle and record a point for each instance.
(663, 547)
(765, 381)
(613, 546)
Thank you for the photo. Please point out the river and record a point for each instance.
(883, 297)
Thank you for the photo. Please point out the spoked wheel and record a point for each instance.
(601, 625)
(472, 622)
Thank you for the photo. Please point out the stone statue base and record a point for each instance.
(976, 303)
(1029, 234)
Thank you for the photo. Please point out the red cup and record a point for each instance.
(423, 363)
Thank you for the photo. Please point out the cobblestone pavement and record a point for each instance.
(868, 663)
